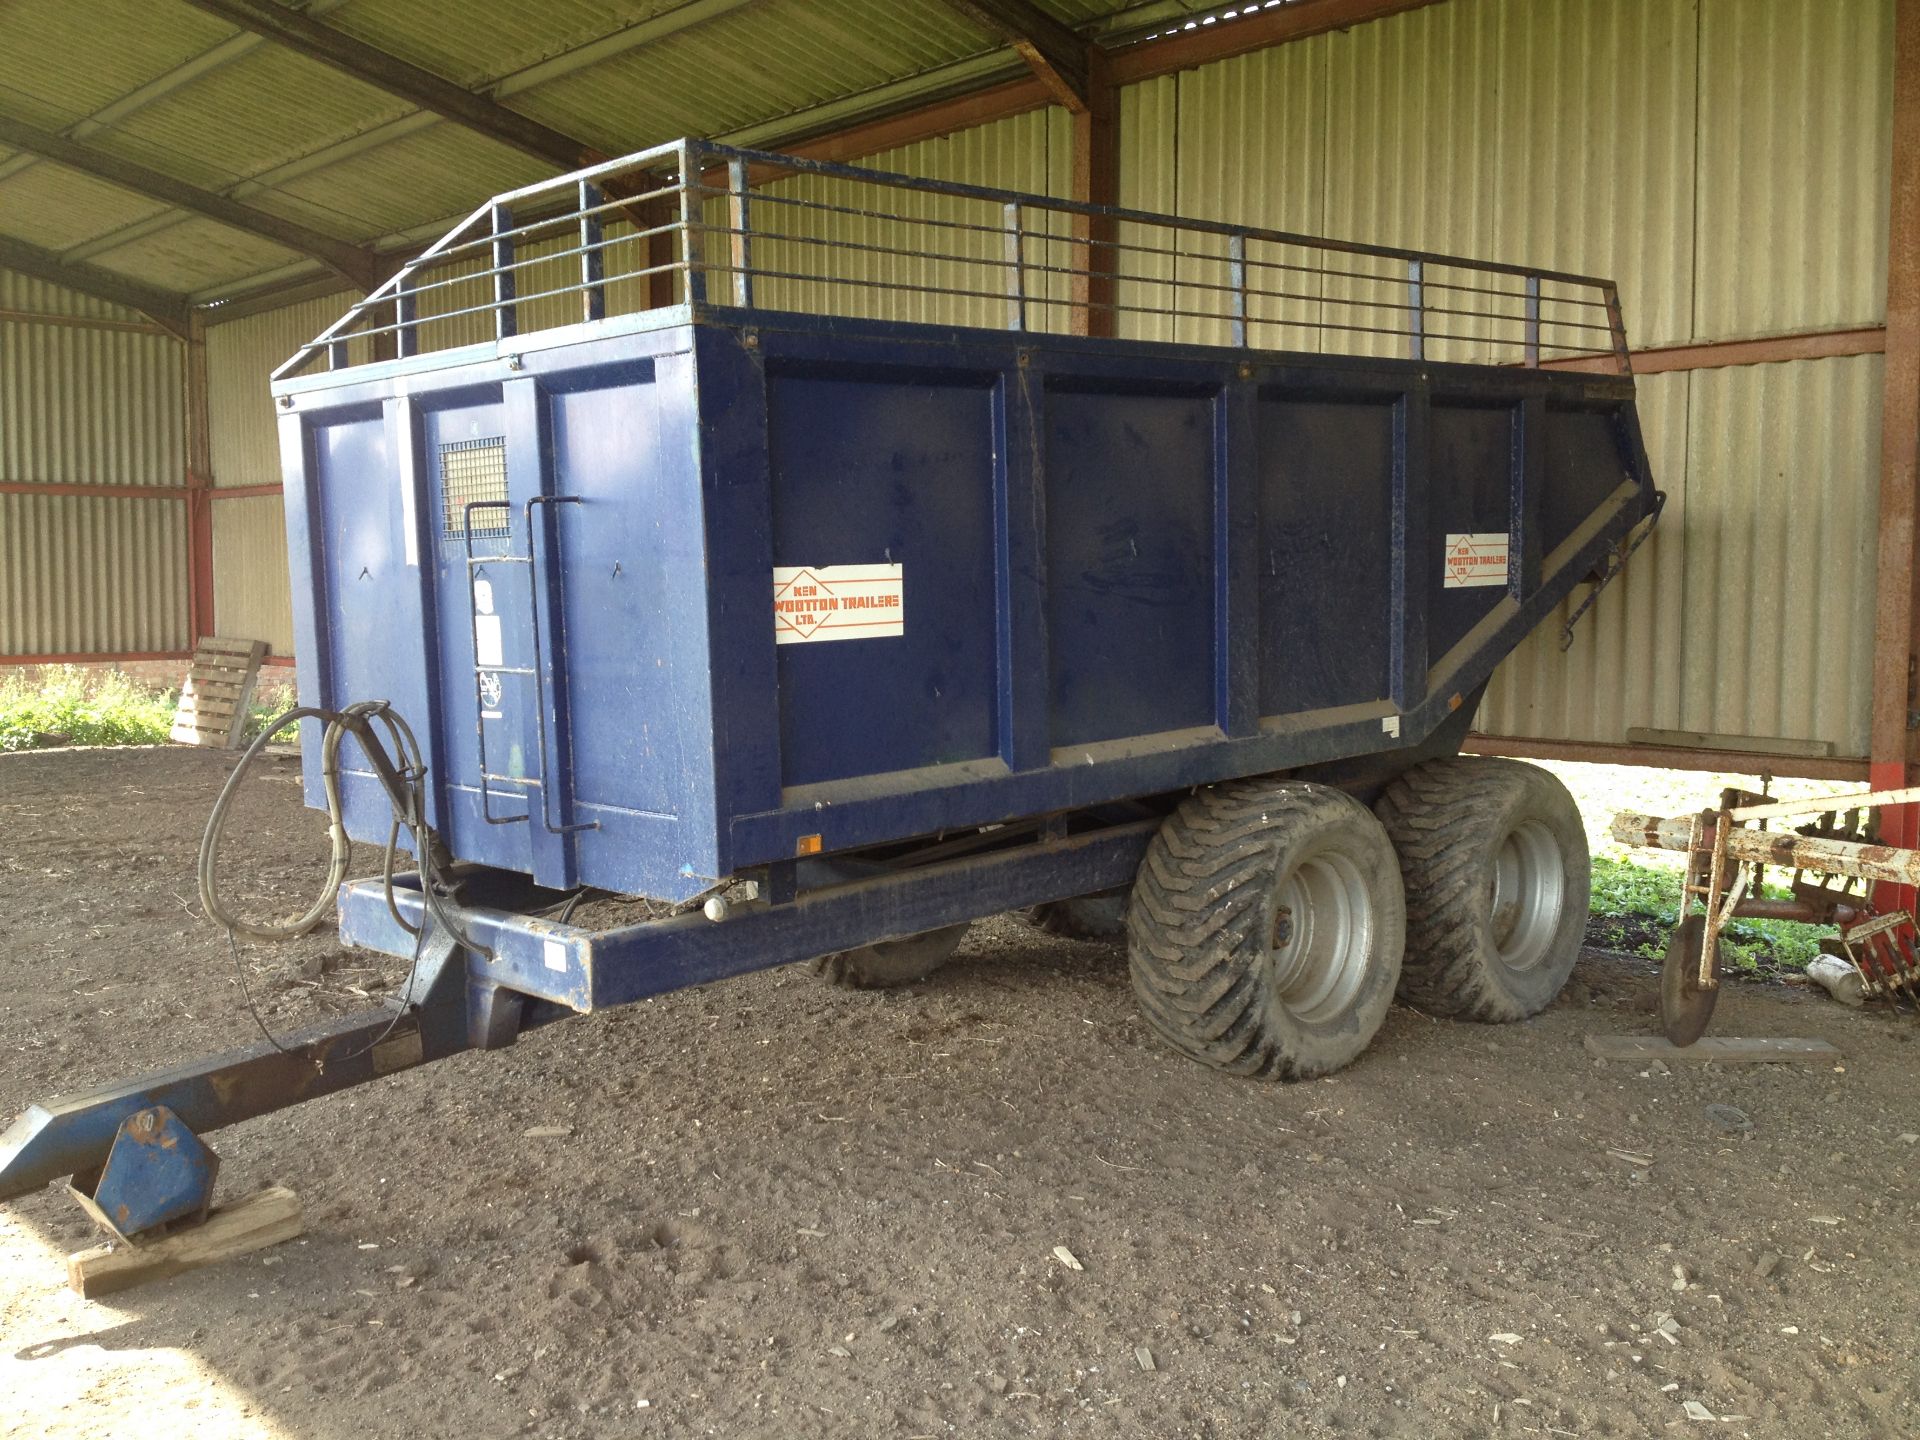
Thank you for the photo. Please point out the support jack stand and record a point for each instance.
(153, 1196)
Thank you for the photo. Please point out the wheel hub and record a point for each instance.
(1529, 895)
(1322, 936)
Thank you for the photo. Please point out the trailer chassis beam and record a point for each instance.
(584, 970)
(73, 1134)
(540, 971)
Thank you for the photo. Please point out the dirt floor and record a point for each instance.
(782, 1210)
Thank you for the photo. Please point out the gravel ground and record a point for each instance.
(768, 1208)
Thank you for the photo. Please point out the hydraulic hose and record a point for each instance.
(405, 774)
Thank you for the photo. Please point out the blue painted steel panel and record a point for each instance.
(1130, 548)
(888, 468)
(1579, 443)
(1471, 490)
(1127, 568)
(1327, 469)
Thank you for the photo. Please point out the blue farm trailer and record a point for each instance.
(831, 558)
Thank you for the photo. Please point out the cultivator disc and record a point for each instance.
(1685, 1008)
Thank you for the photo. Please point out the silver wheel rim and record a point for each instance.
(1322, 937)
(1529, 895)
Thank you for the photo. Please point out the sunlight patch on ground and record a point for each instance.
(83, 1368)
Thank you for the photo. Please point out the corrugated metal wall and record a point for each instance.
(243, 437)
(250, 594)
(92, 574)
(88, 406)
(1773, 470)
(251, 599)
(1726, 161)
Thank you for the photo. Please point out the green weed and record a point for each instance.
(71, 706)
(1635, 905)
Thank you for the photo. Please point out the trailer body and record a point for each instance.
(1061, 572)
(697, 574)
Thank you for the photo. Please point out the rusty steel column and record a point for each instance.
(200, 621)
(1096, 181)
(1899, 590)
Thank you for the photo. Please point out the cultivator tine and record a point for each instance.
(1883, 951)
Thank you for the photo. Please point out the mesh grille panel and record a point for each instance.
(472, 470)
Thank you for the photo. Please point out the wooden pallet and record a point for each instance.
(213, 702)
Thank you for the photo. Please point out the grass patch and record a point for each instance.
(1634, 908)
(71, 706)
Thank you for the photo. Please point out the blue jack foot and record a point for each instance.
(157, 1172)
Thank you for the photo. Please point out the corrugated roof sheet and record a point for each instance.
(62, 60)
(509, 37)
(279, 102)
(298, 138)
(441, 170)
(55, 208)
(197, 247)
(769, 59)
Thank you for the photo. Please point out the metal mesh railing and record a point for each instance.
(703, 225)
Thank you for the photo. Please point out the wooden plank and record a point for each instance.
(263, 1218)
(189, 735)
(1706, 740)
(1722, 1049)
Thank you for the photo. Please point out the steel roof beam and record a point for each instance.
(164, 307)
(352, 261)
(1059, 56)
(402, 79)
